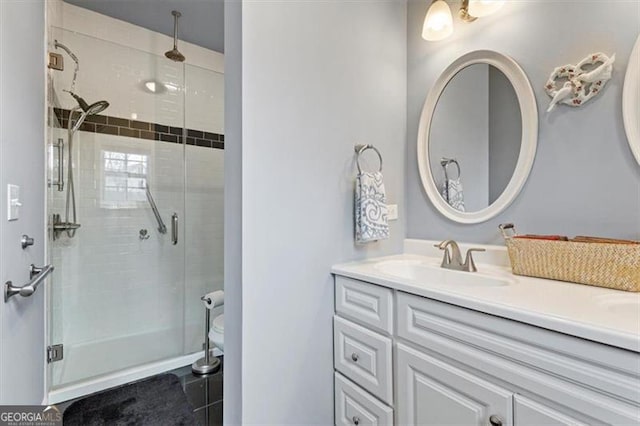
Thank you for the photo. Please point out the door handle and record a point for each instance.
(174, 229)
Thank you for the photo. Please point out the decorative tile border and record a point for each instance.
(142, 130)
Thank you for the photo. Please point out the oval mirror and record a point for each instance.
(631, 101)
(477, 137)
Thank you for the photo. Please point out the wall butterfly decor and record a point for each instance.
(580, 84)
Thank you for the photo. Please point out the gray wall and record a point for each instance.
(466, 96)
(505, 132)
(336, 78)
(585, 179)
(232, 213)
(22, 142)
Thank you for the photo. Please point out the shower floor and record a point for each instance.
(93, 366)
(88, 360)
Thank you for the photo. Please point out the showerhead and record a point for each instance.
(95, 108)
(174, 54)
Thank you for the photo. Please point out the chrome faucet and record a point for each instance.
(453, 258)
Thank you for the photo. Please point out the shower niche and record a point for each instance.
(135, 208)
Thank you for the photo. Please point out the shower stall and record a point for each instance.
(134, 206)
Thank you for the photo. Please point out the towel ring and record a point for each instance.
(362, 148)
(444, 162)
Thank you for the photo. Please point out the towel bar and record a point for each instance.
(444, 162)
(362, 148)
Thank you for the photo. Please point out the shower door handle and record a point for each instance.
(59, 145)
(174, 229)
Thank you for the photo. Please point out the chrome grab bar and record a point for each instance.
(174, 229)
(37, 276)
(161, 226)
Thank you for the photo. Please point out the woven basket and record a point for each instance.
(615, 266)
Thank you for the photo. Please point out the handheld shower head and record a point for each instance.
(95, 108)
(87, 110)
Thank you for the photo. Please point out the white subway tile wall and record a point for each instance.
(119, 75)
(118, 300)
(110, 284)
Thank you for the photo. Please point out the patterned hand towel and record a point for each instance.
(453, 194)
(370, 208)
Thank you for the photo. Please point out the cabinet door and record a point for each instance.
(530, 413)
(433, 392)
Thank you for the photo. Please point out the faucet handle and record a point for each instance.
(469, 264)
(446, 260)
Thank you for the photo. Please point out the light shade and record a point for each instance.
(438, 23)
(480, 8)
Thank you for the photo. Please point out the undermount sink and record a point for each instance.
(433, 274)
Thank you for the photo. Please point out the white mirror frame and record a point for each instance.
(528, 145)
(631, 101)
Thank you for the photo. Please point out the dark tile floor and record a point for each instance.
(203, 392)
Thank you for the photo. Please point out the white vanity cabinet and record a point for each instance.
(528, 412)
(405, 359)
(433, 392)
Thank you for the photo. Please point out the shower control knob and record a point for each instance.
(26, 241)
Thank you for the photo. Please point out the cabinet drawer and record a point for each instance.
(438, 326)
(368, 304)
(363, 356)
(356, 407)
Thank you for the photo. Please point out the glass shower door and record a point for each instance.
(204, 196)
(117, 298)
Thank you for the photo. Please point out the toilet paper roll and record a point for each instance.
(213, 299)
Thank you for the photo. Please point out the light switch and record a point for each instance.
(392, 212)
(13, 202)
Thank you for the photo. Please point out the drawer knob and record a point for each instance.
(355, 357)
(495, 420)
(356, 420)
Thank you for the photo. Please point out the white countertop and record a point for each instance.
(607, 316)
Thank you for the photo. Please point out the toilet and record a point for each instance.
(216, 334)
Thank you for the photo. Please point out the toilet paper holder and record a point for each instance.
(208, 364)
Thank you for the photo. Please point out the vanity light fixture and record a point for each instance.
(438, 23)
(480, 8)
